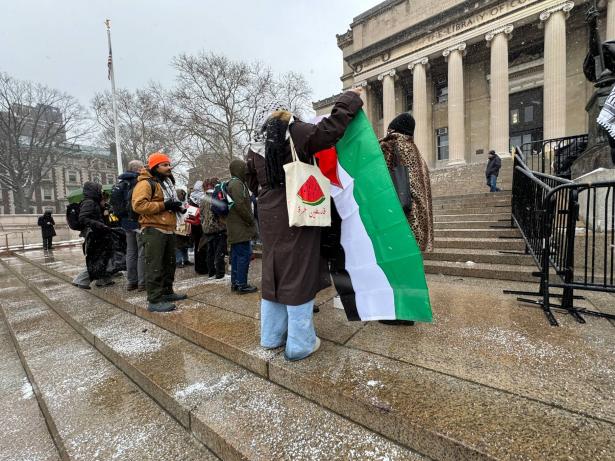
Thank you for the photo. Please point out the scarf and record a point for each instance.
(169, 193)
(258, 138)
(606, 119)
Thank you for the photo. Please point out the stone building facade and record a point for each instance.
(477, 75)
(76, 166)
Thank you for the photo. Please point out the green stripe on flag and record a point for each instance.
(394, 244)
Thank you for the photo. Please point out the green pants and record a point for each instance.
(159, 251)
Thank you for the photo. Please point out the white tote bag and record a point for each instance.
(308, 194)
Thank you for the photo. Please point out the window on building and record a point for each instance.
(514, 117)
(110, 178)
(47, 193)
(528, 114)
(442, 143)
(96, 178)
(72, 176)
(441, 92)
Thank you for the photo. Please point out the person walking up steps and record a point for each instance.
(157, 204)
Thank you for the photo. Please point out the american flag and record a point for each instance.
(109, 65)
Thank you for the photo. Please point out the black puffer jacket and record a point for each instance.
(91, 211)
(493, 166)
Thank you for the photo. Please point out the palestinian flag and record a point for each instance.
(377, 267)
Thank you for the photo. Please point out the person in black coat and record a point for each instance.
(48, 232)
(493, 170)
(98, 245)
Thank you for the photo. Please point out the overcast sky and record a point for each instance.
(63, 43)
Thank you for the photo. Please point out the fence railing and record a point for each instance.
(4, 238)
(553, 156)
(547, 209)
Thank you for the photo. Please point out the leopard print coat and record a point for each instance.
(420, 216)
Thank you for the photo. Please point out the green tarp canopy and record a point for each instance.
(77, 195)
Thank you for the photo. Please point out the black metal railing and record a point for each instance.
(553, 156)
(547, 210)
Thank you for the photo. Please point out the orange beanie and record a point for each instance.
(157, 158)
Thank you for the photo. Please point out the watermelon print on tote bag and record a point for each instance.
(308, 195)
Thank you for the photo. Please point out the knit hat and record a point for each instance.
(156, 159)
(403, 123)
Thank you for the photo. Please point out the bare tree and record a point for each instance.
(293, 90)
(142, 124)
(38, 126)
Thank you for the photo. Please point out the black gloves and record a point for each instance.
(173, 205)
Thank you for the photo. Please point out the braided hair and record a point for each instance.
(275, 130)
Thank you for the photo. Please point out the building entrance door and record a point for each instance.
(525, 117)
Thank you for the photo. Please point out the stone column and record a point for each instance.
(456, 123)
(388, 98)
(498, 120)
(419, 106)
(610, 20)
(554, 124)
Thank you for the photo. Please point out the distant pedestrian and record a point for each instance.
(96, 234)
(492, 171)
(121, 205)
(157, 204)
(214, 234)
(48, 231)
(240, 227)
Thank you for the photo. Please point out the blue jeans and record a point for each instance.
(240, 263)
(291, 325)
(491, 182)
(181, 256)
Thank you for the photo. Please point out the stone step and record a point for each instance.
(480, 243)
(478, 256)
(504, 224)
(505, 194)
(472, 217)
(481, 270)
(471, 210)
(24, 434)
(240, 415)
(434, 412)
(477, 233)
(92, 409)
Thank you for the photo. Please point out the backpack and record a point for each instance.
(220, 204)
(119, 198)
(72, 216)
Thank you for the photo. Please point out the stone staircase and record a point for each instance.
(114, 381)
(474, 238)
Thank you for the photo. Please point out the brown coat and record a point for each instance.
(150, 208)
(293, 269)
(420, 216)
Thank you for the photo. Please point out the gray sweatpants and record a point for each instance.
(135, 259)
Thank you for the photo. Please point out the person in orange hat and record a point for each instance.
(155, 200)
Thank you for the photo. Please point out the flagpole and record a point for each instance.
(118, 148)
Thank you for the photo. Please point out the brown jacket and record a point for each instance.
(150, 208)
(293, 269)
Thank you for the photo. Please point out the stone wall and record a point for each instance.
(14, 225)
(468, 179)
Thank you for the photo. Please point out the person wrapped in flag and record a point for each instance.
(293, 270)
(374, 259)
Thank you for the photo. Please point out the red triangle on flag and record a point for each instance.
(327, 162)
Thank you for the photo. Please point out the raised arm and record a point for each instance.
(310, 139)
